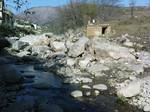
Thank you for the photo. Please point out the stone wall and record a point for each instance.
(98, 30)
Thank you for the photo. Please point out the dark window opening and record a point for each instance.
(104, 30)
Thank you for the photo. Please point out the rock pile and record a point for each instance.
(81, 60)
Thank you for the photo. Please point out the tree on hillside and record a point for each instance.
(107, 8)
(132, 4)
(18, 4)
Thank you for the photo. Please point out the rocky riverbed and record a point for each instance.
(73, 73)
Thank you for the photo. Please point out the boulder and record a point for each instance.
(101, 87)
(77, 80)
(146, 108)
(10, 74)
(96, 92)
(78, 48)
(128, 44)
(18, 45)
(23, 53)
(132, 89)
(102, 49)
(71, 62)
(40, 49)
(83, 63)
(144, 57)
(36, 40)
(76, 94)
(86, 87)
(96, 69)
(58, 46)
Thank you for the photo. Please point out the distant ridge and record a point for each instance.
(40, 15)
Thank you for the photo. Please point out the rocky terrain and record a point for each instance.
(73, 73)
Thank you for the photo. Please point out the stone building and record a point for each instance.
(6, 16)
(98, 30)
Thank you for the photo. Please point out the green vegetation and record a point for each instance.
(10, 31)
(76, 15)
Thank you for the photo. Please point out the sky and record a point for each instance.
(62, 2)
(35, 3)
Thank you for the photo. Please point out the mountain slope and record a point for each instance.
(39, 15)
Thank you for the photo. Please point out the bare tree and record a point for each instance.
(107, 8)
(132, 4)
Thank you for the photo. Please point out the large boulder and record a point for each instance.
(131, 90)
(36, 40)
(23, 53)
(58, 46)
(18, 45)
(102, 49)
(78, 48)
(10, 74)
(83, 63)
(96, 69)
(42, 51)
(144, 57)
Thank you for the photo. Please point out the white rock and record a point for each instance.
(88, 93)
(86, 87)
(100, 87)
(36, 40)
(83, 63)
(40, 49)
(19, 45)
(78, 48)
(146, 108)
(96, 69)
(145, 58)
(105, 49)
(96, 92)
(23, 53)
(58, 46)
(132, 89)
(71, 62)
(76, 94)
(77, 80)
(128, 44)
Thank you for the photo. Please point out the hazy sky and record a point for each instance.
(61, 2)
(34, 3)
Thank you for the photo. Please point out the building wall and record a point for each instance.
(96, 30)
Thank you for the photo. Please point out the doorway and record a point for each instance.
(104, 30)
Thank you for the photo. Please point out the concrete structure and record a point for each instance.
(98, 30)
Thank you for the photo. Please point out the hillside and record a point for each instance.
(40, 15)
